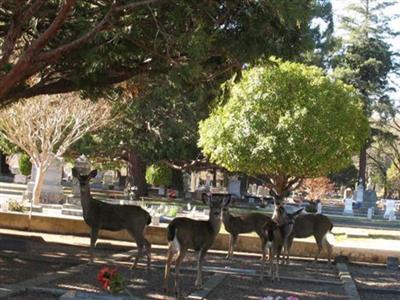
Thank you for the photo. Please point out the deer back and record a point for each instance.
(306, 225)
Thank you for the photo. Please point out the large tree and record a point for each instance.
(367, 60)
(59, 46)
(45, 126)
(161, 109)
(285, 121)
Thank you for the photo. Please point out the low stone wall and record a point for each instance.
(157, 235)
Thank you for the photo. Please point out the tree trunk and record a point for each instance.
(137, 173)
(37, 188)
(362, 164)
(4, 168)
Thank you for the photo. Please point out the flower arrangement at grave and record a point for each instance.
(112, 281)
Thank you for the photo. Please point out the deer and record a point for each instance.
(243, 224)
(100, 215)
(306, 225)
(185, 233)
(303, 226)
(274, 237)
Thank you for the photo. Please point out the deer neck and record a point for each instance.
(85, 198)
(215, 223)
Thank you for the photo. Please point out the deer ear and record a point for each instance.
(297, 212)
(93, 174)
(205, 198)
(75, 172)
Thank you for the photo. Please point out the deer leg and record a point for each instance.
(263, 249)
(232, 244)
(228, 255)
(170, 257)
(199, 279)
(288, 248)
(271, 263)
(178, 262)
(93, 238)
(329, 248)
(278, 253)
(140, 243)
(319, 244)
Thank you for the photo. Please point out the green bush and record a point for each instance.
(159, 175)
(25, 165)
(172, 211)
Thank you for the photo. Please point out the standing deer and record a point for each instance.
(274, 237)
(306, 225)
(284, 220)
(100, 215)
(243, 224)
(185, 233)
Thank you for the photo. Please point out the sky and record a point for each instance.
(339, 8)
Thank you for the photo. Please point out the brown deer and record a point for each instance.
(274, 237)
(306, 225)
(100, 215)
(295, 225)
(243, 224)
(284, 220)
(185, 233)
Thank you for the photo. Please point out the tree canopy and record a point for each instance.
(56, 46)
(286, 121)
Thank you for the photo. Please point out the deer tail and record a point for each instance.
(171, 232)
(148, 220)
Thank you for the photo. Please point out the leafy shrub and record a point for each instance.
(25, 165)
(14, 205)
(172, 211)
(159, 175)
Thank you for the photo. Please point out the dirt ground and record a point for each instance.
(42, 258)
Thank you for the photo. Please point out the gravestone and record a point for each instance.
(52, 190)
(389, 208)
(319, 208)
(348, 207)
(234, 186)
(370, 213)
(78, 295)
(370, 199)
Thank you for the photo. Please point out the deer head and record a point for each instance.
(216, 202)
(84, 179)
(281, 217)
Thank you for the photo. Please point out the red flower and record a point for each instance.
(110, 279)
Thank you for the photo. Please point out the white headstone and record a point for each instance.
(234, 187)
(390, 207)
(392, 216)
(319, 208)
(360, 193)
(370, 213)
(348, 206)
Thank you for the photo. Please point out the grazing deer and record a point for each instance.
(243, 224)
(306, 225)
(274, 237)
(185, 233)
(100, 215)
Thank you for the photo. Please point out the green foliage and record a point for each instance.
(346, 177)
(198, 46)
(172, 211)
(25, 165)
(393, 179)
(159, 175)
(285, 119)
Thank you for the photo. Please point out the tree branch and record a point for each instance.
(15, 31)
